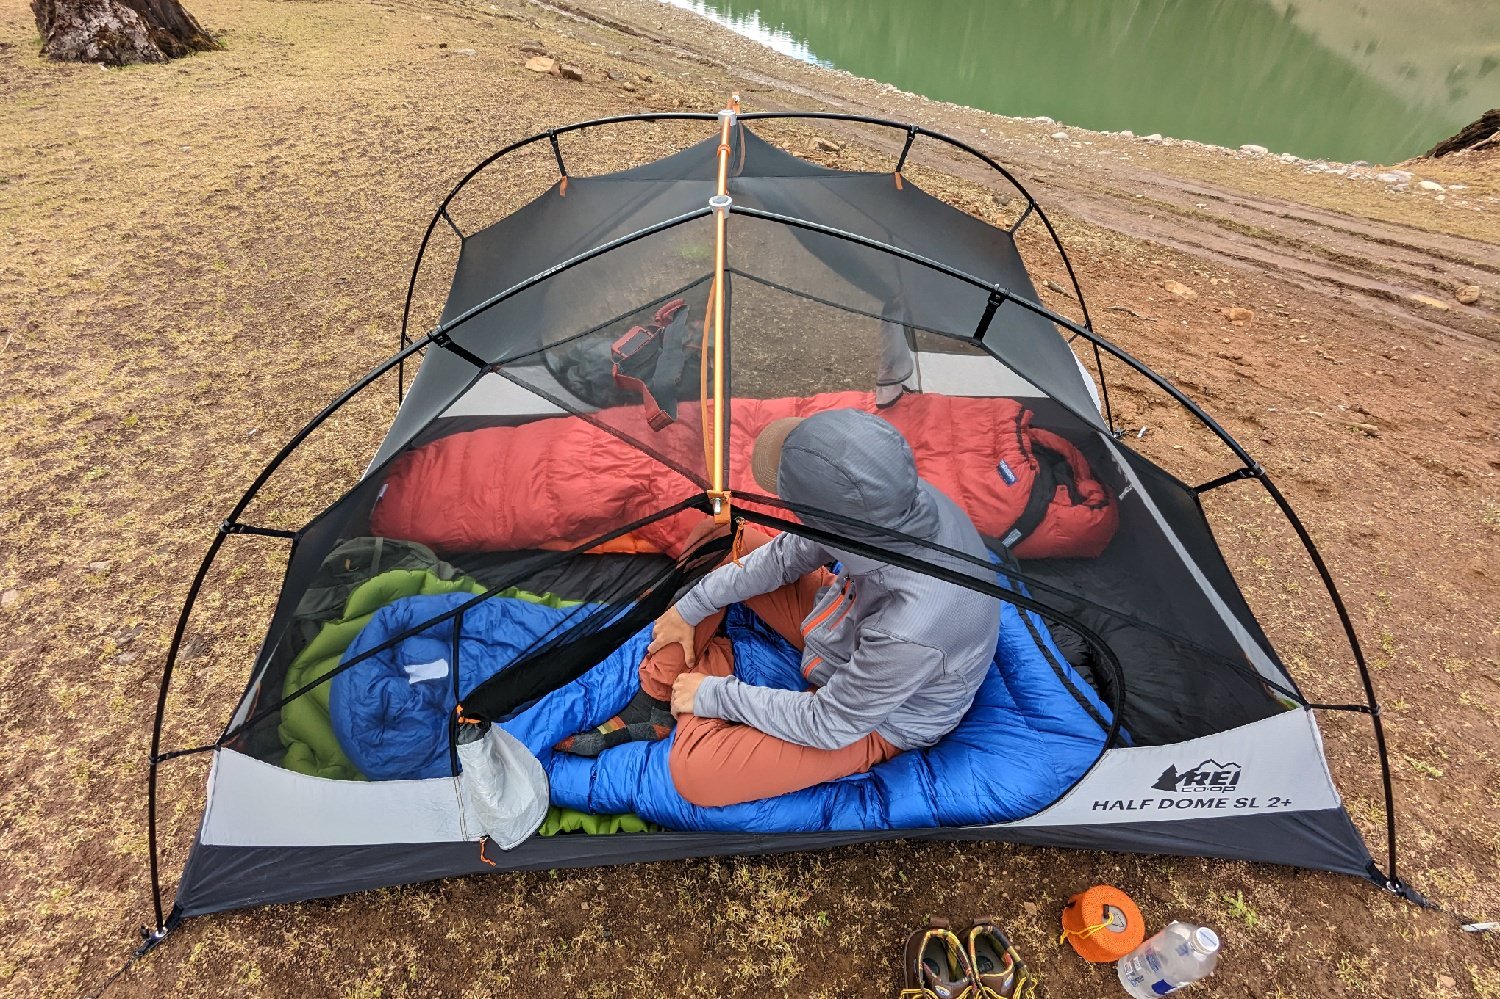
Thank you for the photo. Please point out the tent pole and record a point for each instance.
(1393, 881)
(720, 203)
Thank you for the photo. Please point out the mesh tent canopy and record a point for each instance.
(646, 319)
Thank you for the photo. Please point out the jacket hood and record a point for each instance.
(857, 465)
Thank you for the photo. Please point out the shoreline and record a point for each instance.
(794, 48)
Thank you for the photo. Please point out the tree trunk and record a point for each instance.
(116, 32)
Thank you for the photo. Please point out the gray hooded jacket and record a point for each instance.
(888, 650)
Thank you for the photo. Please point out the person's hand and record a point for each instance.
(684, 691)
(671, 629)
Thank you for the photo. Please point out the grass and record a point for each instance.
(1240, 909)
(172, 315)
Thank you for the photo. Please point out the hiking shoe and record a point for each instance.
(998, 970)
(644, 719)
(935, 965)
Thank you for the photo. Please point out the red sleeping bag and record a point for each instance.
(558, 482)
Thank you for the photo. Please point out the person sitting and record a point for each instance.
(893, 658)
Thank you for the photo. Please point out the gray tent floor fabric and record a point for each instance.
(219, 878)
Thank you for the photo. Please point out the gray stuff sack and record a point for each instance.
(504, 788)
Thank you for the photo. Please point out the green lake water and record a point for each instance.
(1377, 80)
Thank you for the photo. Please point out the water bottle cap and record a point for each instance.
(1206, 939)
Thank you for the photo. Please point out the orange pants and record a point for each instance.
(716, 762)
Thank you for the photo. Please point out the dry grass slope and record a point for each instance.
(198, 256)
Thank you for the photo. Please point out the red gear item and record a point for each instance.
(557, 482)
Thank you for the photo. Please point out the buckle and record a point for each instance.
(637, 348)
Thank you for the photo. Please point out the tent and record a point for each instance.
(601, 360)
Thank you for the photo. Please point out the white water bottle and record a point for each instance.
(1179, 955)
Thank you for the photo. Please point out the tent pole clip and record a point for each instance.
(998, 297)
(719, 503)
(1251, 471)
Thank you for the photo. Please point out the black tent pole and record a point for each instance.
(161, 709)
(1393, 882)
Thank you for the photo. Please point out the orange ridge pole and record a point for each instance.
(718, 495)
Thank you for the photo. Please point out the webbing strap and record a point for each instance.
(649, 362)
(1052, 470)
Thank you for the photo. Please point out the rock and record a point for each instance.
(1446, 981)
(541, 64)
(614, 74)
(1238, 314)
(100, 566)
(1368, 429)
(1060, 135)
(1253, 149)
(1044, 120)
(1431, 303)
(465, 52)
(532, 46)
(1153, 137)
(1180, 290)
(1390, 177)
(1360, 163)
(629, 87)
(9, 597)
(827, 145)
(570, 73)
(1128, 134)
(1430, 185)
(1467, 294)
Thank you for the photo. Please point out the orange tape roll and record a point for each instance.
(1102, 924)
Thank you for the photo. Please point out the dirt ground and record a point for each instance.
(198, 256)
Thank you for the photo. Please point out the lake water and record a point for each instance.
(1377, 80)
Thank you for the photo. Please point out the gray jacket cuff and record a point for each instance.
(693, 607)
(706, 700)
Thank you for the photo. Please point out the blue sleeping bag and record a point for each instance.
(1025, 741)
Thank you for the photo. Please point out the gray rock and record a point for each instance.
(1253, 149)
(9, 597)
(1127, 133)
(1431, 185)
(1062, 136)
